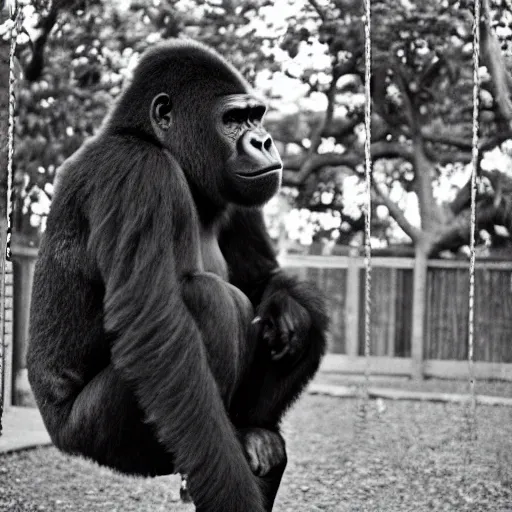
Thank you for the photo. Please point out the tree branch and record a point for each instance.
(296, 171)
(397, 213)
(446, 138)
(318, 9)
(456, 233)
(465, 143)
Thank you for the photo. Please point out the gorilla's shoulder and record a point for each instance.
(106, 157)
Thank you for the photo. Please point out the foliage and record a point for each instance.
(89, 57)
(307, 56)
(422, 95)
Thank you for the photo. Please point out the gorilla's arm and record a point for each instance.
(296, 309)
(248, 251)
(137, 205)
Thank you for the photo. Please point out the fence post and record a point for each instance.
(391, 334)
(352, 308)
(419, 288)
(24, 265)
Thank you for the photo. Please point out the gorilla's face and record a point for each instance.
(209, 118)
(253, 169)
(221, 144)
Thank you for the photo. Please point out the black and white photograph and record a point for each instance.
(255, 255)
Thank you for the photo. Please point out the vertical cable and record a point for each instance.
(362, 408)
(474, 172)
(17, 15)
(368, 179)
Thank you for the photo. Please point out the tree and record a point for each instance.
(421, 88)
(422, 97)
(74, 73)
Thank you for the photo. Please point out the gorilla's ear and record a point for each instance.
(161, 107)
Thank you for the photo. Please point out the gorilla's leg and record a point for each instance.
(223, 314)
(219, 307)
(102, 419)
(104, 422)
(271, 482)
(266, 452)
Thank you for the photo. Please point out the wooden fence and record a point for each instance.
(441, 349)
(6, 327)
(8, 338)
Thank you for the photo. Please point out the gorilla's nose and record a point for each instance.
(261, 143)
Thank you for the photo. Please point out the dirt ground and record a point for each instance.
(399, 456)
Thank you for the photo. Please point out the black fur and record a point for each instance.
(142, 355)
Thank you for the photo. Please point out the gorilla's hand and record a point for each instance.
(284, 326)
(265, 449)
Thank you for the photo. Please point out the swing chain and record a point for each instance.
(368, 210)
(474, 173)
(16, 13)
(363, 390)
(368, 176)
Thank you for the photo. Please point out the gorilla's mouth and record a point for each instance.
(260, 172)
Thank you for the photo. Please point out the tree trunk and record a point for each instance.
(419, 294)
(430, 212)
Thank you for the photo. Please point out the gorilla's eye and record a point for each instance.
(256, 114)
(236, 116)
(243, 115)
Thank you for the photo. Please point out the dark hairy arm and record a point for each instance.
(157, 347)
(297, 310)
(248, 251)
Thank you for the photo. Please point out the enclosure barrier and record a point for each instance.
(440, 349)
(24, 260)
(6, 327)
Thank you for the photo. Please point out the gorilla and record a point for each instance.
(164, 337)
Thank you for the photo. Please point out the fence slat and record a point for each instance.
(393, 288)
(352, 308)
(418, 314)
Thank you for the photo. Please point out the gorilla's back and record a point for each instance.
(67, 344)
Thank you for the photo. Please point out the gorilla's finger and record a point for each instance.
(283, 330)
(276, 356)
(265, 450)
(290, 324)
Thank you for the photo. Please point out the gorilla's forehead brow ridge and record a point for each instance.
(250, 100)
